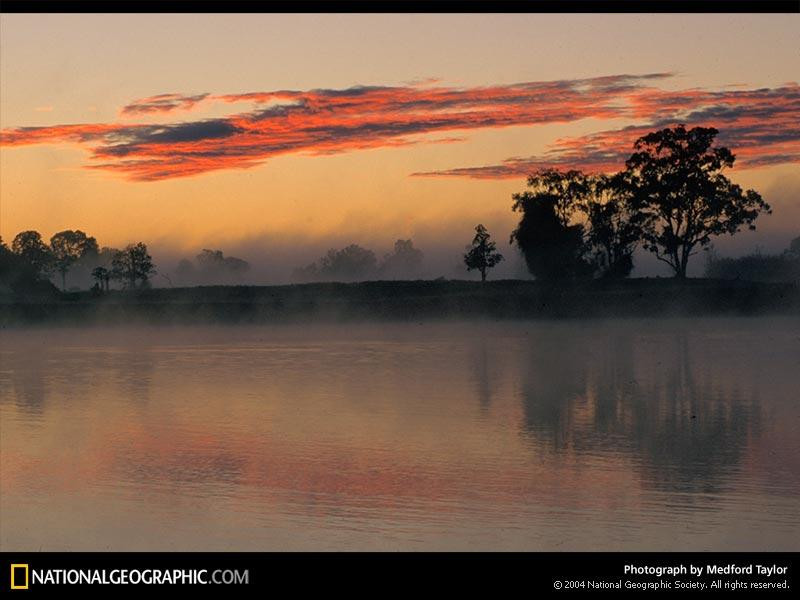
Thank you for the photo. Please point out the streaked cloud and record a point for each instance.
(162, 103)
(762, 123)
(761, 126)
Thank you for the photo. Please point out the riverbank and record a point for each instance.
(408, 300)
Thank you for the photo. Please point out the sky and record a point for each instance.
(275, 137)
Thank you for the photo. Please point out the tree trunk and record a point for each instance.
(63, 281)
(483, 274)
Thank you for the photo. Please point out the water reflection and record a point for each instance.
(483, 383)
(471, 436)
(602, 395)
(29, 389)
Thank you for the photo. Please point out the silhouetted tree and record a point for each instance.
(102, 276)
(215, 262)
(211, 267)
(678, 185)
(482, 253)
(552, 244)
(133, 264)
(29, 246)
(352, 263)
(614, 227)
(19, 276)
(404, 261)
(67, 248)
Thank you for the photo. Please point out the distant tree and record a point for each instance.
(68, 247)
(404, 261)
(351, 263)
(29, 246)
(685, 199)
(132, 265)
(756, 266)
(236, 266)
(614, 227)
(212, 266)
(215, 260)
(210, 259)
(550, 240)
(482, 253)
(101, 275)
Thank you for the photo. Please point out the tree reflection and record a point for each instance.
(25, 369)
(662, 406)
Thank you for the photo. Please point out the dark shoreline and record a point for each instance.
(408, 300)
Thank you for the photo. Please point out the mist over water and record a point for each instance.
(623, 434)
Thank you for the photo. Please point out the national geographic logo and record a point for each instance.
(19, 577)
(22, 576)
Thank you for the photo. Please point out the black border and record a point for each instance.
(404, 572)
(405, 6)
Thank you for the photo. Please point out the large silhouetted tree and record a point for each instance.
(68, 247)
(28, 245)
(132, 264)
(614, 226)
(551, 242)
(678, 185)
(482, 253)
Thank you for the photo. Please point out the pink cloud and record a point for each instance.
(763, 123)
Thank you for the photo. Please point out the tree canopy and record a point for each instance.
(550, 240)
(133, 265)
(482, 253)
(678, 186)
(28, 245)
(68, 247)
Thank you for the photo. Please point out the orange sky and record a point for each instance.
(245, 131)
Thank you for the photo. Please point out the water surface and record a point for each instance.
(636, 435)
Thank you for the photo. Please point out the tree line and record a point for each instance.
(30, 261)
(354, 263)
(671, 199)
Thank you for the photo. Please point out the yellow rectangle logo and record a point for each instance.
(16, 575)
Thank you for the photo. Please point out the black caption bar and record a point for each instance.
(400, 572)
